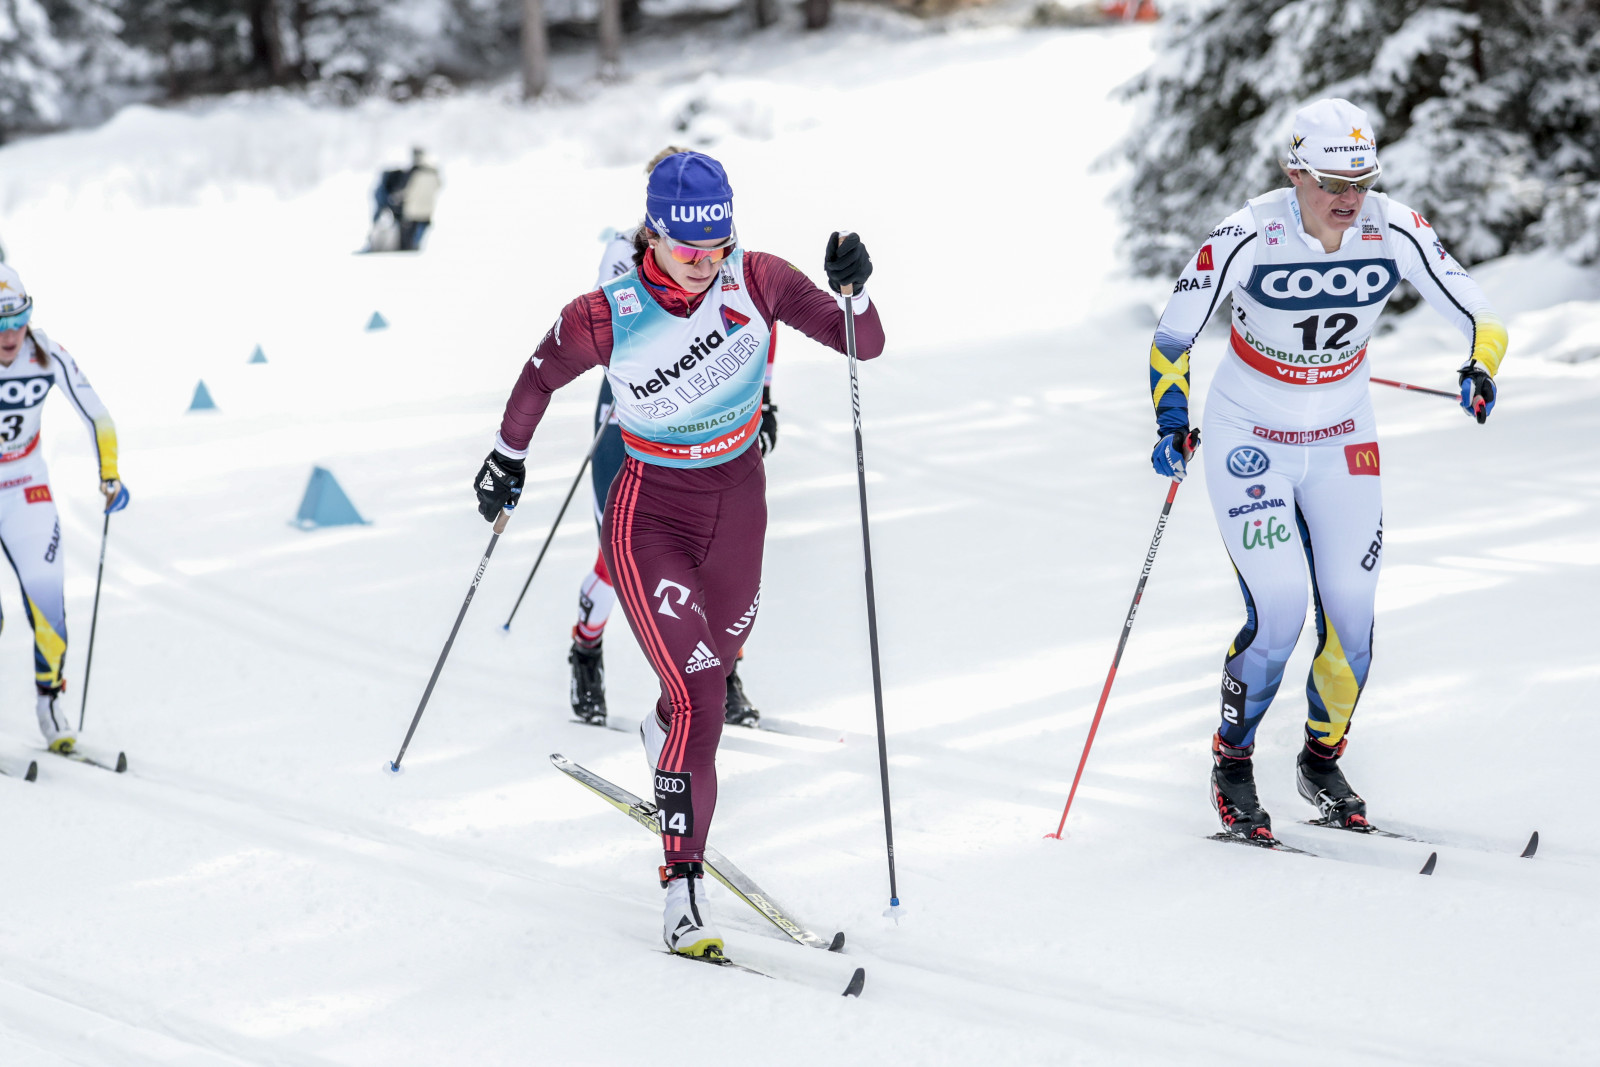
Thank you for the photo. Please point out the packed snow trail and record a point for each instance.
(256, 890)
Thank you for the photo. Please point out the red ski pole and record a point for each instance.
(1417, 388)
(1127, 628)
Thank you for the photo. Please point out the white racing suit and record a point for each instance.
(1291, 446)
(30, 532)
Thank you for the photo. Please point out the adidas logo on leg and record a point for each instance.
(702, 658)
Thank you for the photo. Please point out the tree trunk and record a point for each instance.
(817, 13)
(266, 28)
(610, 39)
(535, 50)
(763, 13)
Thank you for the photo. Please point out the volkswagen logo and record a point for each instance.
(1247, 462)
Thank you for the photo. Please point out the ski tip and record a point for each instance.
(1533, 846)
(32, 774)
(122, 763)
(837, 944)
(1433, 858)
(857, 981)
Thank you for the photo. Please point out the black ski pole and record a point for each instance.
(872, 604)
(483, 564)
(587, 456)
(94, 620)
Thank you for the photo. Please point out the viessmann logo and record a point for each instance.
(1297, 286)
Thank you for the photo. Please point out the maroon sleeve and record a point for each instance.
(784, 294)
(580, 339)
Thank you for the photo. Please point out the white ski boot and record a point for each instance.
(684, 925)
(55, 722)
(654, 738)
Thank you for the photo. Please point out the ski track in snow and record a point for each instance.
(257, 891)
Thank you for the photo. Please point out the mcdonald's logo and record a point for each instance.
(1203, 261)
(1363, 458)
(36, 494)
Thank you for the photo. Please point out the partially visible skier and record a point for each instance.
(683, 337)
(30, 365)
(1292, 458)
(596, 595)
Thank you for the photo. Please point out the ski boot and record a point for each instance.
(588, 683)
(654, 738)
(55, 722)
(1233, 793)
(1322, 783)
(684, 926)
(737, 709)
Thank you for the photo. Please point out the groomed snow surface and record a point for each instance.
(257, 891)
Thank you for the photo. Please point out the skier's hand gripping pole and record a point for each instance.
(393, 766)
(847, 266)
(587, 456)
(1190, 444)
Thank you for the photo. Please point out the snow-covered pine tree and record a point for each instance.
(1488, 115)
(61, 63)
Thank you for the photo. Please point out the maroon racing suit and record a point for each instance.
(683, 543)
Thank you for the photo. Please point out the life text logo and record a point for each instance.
(1271, 535)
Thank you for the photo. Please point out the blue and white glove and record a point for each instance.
(116, 494)
(1477, 391)
(1171, 456)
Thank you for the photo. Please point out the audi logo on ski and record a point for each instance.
(1295, 286)
(670, 785)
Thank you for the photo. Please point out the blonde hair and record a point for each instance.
(670, 150)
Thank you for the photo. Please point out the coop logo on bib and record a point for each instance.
(1298, 286)
(23, 392)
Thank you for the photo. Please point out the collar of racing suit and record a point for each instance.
(672, 297)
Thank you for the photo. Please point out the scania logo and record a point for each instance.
(23, 392)
(1247, 462)
(1294, 286)
(670, 785)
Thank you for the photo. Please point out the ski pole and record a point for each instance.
(499, 528)
(94, 620)
(1417, 388)
(1127, 628)
(872, 604)
(587, 456)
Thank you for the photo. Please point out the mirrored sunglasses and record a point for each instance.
(17, 320)
(690, 254)
(1336, 184)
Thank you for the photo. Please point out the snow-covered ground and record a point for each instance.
(257, 891)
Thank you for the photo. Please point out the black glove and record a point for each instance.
(499, 484)
(847, 263)
(1477, 391)
(767, 436)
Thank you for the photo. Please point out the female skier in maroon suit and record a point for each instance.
(683, 339)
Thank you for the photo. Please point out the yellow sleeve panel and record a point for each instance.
(105, 439)
(1488, 341)
(1167, 374)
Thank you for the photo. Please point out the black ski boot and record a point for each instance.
(738, 711)
(1233, 793)
(1322, 783)
(588, 683)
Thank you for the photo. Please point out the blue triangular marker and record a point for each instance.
(325, 503)
(202, 399)
(377, 322)
(258, 356)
